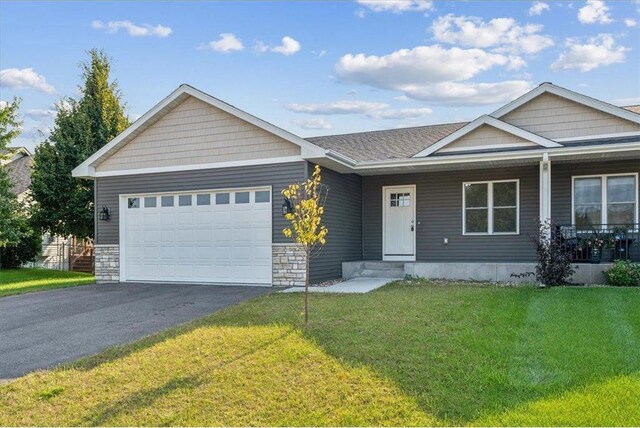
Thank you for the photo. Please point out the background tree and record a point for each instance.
(9, 208)
(18, 241)
(307, 200)
(64, 205)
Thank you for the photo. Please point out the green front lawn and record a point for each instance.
(18, 281)
(412, 353)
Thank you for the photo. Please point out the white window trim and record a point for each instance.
(603, 189)
(490, 207)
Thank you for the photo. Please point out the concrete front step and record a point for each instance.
(372, 269)
(381, 273)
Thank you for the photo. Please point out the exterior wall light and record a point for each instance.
(287, 207)
(104, 213)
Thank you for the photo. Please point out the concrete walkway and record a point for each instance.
(355, 285)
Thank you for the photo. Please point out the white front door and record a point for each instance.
(399, 224)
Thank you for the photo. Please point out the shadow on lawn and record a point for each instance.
(139, 400)
(463, 352)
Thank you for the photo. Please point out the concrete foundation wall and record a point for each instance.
(488, 272)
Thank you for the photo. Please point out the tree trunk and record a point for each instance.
(306, 288)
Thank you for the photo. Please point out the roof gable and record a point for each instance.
(558, 113)
(196, 133)
(88, 168)
(461, 137)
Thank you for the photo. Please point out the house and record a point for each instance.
(18, 162)
(191, 192)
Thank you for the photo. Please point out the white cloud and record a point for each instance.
(360, 13)
(418, 66)
(134, 30)
(434, 74)
(630, 22)
(403, 113)
(397, 6)
(227, 43)
(515, 63)
(631, 101)
(338, 107)
(597, 52)
(3, 103)
(370, 109)
(24, 78)
(313, 123)
(288, 46)
(40, 114)
(501, 34)
(595, 11)
(465, 94)
(537, 8)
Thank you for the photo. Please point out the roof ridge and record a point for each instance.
(386, 130)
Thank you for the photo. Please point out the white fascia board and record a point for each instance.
(87, 168)
(570, 95)
(491, 121)
(193, 167)
(598, 137)
(492, 157)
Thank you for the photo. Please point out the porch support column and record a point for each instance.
(545, 188)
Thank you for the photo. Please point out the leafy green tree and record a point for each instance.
(19, 243)
(64, 205)
(9, 207)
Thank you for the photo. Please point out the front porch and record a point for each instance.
(477, 222)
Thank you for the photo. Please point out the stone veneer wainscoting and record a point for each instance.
(107, 263)
(288, 265)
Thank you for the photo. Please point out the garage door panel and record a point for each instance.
(220, 237)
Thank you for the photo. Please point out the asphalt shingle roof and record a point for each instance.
(635, 109)
(399, 143)
(19, 171)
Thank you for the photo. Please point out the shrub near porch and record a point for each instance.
(412, 353)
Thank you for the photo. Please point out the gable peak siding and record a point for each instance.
(486, 136)
(195, 132)
(551, 116)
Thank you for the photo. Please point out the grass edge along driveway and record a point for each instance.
(26, 280)
(412, 353)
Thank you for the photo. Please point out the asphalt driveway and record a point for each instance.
(41, 330)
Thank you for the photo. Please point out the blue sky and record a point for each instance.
(323, 68)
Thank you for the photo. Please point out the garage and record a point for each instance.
(217, 236)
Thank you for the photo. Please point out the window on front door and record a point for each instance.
(605, 200)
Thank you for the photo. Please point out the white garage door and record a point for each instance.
(216, 237)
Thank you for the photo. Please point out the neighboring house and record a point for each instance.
(18, 163)
(193, 187)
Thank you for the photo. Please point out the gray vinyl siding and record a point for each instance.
(343, 218)
(439, 215)
(561, 182)
(276, 175)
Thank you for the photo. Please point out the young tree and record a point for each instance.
(9, 207)
(63, 204)
(307, 200)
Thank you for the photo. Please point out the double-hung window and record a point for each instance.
(609, 200)
(491, 207)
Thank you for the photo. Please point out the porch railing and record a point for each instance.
(600, 242)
